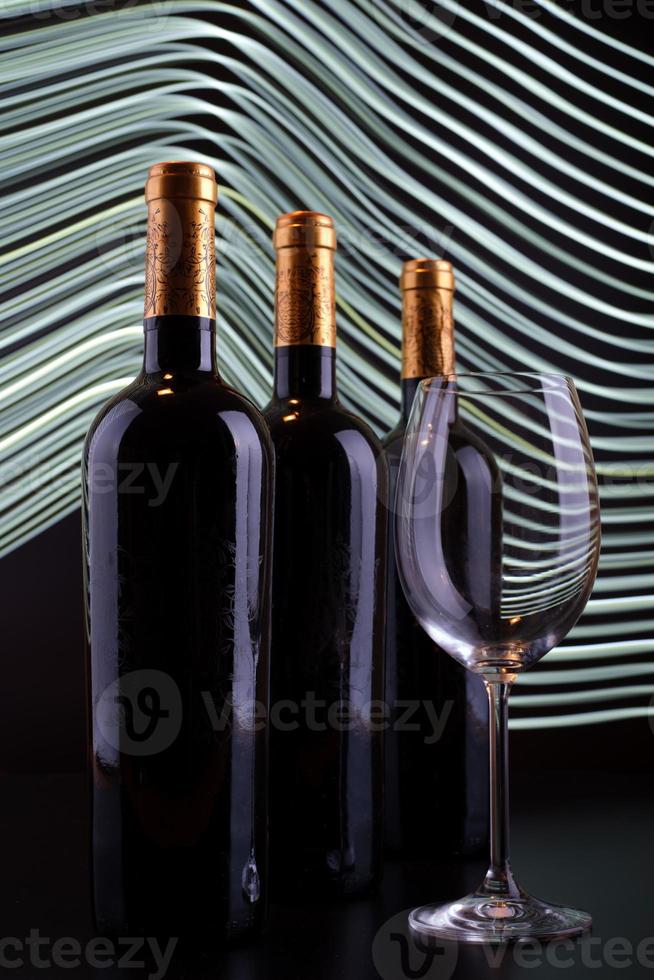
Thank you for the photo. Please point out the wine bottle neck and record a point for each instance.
(305, 311)
(428, 333)
(180, 344)
(305, 371)
(409, 386)
(180, 270)
(305, 300)
(180, 259)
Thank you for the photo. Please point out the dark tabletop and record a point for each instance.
(583, 840)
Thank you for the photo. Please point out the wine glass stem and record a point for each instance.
(499, 880)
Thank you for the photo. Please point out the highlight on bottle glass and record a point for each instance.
(498, 541)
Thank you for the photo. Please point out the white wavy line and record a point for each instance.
(583, 718)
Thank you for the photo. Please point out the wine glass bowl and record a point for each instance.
(497, 516)
(497, 541)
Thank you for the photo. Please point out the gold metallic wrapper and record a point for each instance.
(305, 303)
(180, 261)
(428, 325)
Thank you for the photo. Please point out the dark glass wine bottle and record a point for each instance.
(328, 591)
(436, 748)
(177, 486)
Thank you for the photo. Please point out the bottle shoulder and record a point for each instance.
(318, 422)
(318, 437)
(175, 411)
(123, 403)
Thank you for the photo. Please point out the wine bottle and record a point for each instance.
(177, 486)
(436, 747)
(328, 591)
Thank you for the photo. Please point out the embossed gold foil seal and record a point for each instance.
(180, 259)
(305, 301)
(427, 323)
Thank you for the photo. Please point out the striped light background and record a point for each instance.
(517, 144)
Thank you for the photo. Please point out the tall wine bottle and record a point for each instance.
(177, 485)
(328, 591)
(436, 755)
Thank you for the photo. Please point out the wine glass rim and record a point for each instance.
(544, 381)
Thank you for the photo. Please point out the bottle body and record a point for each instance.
(177, 473)
(327, 661)
(177, 583)
(436, 760)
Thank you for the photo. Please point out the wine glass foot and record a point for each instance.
(481, 918)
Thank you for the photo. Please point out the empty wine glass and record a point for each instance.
(498, 540)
